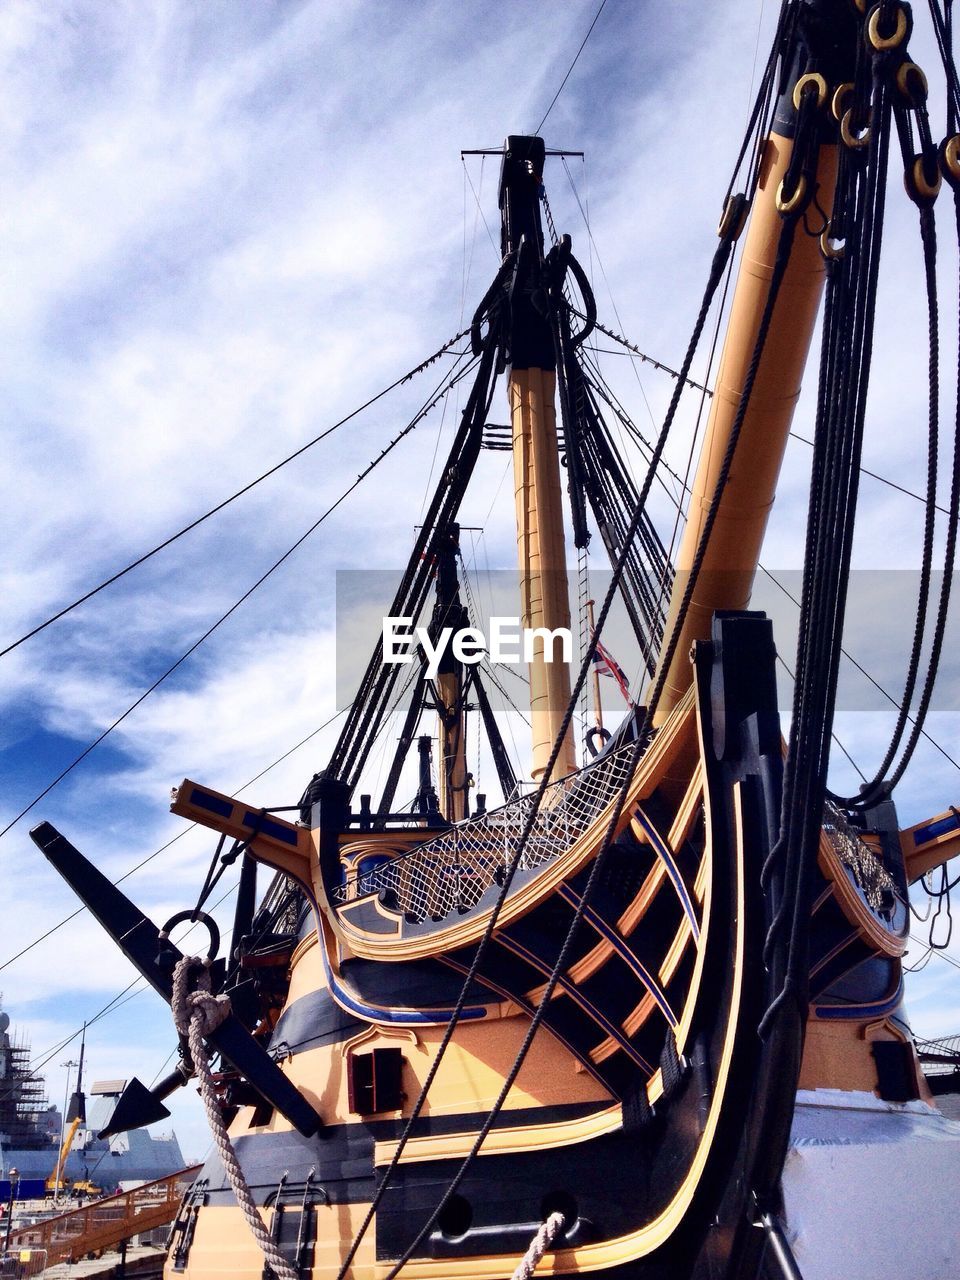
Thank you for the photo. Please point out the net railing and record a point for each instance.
(940, 1057)
(453, 871)
(874, 880)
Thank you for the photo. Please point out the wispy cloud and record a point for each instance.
(224, 227)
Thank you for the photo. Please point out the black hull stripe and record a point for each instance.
(342, 1155)
(313, 1021)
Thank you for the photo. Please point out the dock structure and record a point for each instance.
(99, 1225)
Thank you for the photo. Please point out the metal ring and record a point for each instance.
(916, 182)
(787, 205)
(733, 217)
(829, 247)
(840, 95)
(905, 72)
(814, 78)
(195, 917)
(879, 42)
(849, 137)
(950, 158)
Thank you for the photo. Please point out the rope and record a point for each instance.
(905, 118)
(784, 246)
(179, 836)
(844, 379)
(583, 593)
(572, 65)
(188, 528)
(876, 787)
(539, 1245)
(632, 347)
(375, 462)
(197, 1014)
(353, 746)
(717, 269)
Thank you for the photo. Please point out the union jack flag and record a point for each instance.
(605, 665)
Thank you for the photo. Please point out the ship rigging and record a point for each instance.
(443, 1020)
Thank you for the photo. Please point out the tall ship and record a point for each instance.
(642, 1017)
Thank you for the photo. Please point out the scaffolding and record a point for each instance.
(23, 1098)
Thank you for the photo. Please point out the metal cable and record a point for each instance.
(161, 546)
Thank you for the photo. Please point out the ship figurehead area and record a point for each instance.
(643, 1018)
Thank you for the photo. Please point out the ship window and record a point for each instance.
(374, 1081)
(896, 1070)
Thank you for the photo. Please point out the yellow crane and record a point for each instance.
(74, 1116)
(56, 1181)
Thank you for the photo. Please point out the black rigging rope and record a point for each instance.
(758, 122)
(353, 746)
(875, 475)
(161, 546)
(917, 168)
(845, 365)
(635, 350)
(576, 59)
(414, 422)
(784, 245)
(111, 1006)
(717, 271)
(179, 836)
(942, 27)
(47, 1054)
(631, 349)
(940, 622)
(864, 672)
(873, 788)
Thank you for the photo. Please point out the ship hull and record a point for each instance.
(628, 1110)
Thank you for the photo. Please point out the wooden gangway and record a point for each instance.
(104, 1224)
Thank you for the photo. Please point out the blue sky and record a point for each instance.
(224, 227)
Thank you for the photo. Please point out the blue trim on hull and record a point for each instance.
(664, 853)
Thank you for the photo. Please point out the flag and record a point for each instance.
(605, 665)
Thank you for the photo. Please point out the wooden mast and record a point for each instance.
(595, 674)
(531, 388)
(726, 577)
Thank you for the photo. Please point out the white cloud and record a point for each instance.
(226, 226)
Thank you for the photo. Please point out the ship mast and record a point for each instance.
(531, 388)
(786, 181)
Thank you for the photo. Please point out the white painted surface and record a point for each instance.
(872, 1189)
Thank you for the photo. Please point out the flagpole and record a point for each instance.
(597, 708)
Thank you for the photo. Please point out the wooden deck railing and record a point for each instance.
(101, 1224)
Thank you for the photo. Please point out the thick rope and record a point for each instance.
(196, 1014)
(539, 1245)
